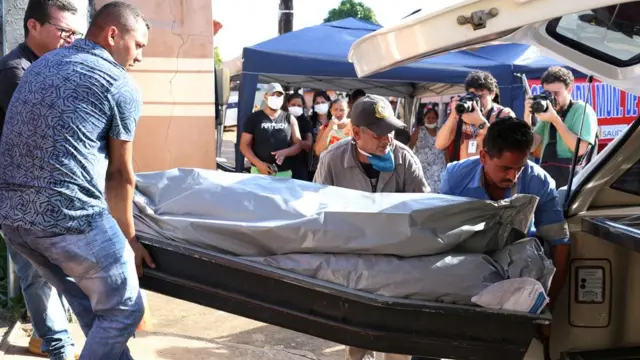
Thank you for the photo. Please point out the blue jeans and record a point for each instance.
(46, 308)
(96, 273)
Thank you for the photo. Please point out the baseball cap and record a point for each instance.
(274, 87)
(376, 114)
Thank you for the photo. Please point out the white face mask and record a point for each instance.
(295, 110)
(321, 108)
(431, 126)
(275, 102)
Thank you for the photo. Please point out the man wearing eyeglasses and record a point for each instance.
(48, 25)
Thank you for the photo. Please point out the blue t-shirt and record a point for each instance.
(465, 178)
(53, 151)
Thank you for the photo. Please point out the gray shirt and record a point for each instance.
(339, 166)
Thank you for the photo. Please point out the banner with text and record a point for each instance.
(615, 108)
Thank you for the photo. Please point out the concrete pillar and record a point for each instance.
(177, 127)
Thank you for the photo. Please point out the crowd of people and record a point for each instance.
(68, 112)
(484, 152)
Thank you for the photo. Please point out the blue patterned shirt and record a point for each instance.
(53, 151)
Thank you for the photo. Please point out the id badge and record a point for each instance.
(473, 147)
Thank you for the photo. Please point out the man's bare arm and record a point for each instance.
(119, 189)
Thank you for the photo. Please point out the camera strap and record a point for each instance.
(457, 141)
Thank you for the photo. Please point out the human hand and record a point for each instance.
(264, 168)
(280, 156)
(475, 117)
(550, 115)
(141, 254)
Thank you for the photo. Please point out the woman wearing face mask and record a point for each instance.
(338, 128)
(295, 106)
(320, 116)
(270, 137)
(423, 143)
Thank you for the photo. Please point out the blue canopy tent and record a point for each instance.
(316, 57)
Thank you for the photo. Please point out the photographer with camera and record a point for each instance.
(560, 121)
(470, 116)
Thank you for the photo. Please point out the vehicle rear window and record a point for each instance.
(610, 34)
(629, 182)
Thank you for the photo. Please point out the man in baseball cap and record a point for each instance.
(372, 161)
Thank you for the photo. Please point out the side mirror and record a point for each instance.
(222, 92)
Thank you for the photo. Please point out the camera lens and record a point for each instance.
(461, 108)
(539, 106)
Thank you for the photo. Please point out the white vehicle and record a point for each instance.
(597, 314)
(231, 111)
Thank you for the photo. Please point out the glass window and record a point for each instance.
(629, 182)
(610, 34)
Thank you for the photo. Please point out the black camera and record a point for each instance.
(540, 103)
(465, 103)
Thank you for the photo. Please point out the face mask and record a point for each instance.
(321, 108)
(431, 126)
(275, 102)
(295, 110)
(383, 163)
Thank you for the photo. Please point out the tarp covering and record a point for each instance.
(450, 278)
(252, 215)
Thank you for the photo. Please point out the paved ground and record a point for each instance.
(228, 146)
(183, 330)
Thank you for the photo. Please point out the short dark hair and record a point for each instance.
(40, 11)
(508, 134)
(356, 94)
(556, 74)
(481, 80)
(120, 14)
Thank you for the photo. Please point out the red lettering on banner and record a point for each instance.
(615, 108)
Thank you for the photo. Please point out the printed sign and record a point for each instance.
(615, 108)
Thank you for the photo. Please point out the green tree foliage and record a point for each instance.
(216, 57)
(351, 8)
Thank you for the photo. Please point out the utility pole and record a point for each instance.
(285, 22)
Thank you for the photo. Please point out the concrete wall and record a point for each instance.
(177, 127)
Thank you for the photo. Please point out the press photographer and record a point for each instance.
(560, 120)
(471, 114)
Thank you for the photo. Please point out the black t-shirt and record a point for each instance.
(304, 124)
(270, 135)
(12, 67)
(372, 174)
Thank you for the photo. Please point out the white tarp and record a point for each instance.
(450, 278)
(419, 246)
(251, 215)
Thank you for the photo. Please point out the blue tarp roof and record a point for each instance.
(321, 51)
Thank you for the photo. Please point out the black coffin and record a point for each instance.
(335, 313)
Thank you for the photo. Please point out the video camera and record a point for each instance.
(465, 103)
(540, 103)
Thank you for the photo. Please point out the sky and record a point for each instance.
(250, 22)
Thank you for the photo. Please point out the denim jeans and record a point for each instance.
(46, 308)
(96, 273)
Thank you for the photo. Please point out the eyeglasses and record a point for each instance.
(66, 33)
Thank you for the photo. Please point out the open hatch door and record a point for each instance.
(576, 33)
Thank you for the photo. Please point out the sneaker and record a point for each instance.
(35, 346)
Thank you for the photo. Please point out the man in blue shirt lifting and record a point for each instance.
(503, 170)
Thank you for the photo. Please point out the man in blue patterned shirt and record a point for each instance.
(66, 176)
(48, 25)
